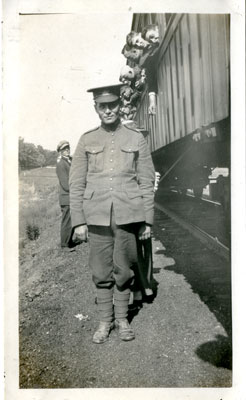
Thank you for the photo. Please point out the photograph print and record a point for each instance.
(124, 201)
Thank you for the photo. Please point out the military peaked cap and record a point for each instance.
(106, 94)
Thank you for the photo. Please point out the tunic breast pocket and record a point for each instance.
(129, 155)
(95, 158)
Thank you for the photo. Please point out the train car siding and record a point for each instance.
(192, 76)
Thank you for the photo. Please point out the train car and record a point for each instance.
(189, 135)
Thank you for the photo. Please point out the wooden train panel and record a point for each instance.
(192, 76)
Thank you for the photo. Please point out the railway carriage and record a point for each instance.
(189, 136)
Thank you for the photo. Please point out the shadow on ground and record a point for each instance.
(208, 275)
(217, 352)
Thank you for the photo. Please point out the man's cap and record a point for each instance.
(106, 94)
(62, 145)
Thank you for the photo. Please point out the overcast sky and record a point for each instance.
(61, 56)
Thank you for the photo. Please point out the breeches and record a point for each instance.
(113, 253)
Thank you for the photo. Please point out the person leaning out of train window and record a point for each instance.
(147, 42)
(135, 39)
(150, 34)
(62, 170)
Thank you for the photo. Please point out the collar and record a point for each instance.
(112, 128)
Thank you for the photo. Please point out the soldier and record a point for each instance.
(62, 171)
(111, 196)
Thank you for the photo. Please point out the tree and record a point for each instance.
(31, 156)
(51, 157)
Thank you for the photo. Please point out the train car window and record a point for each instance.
(137, 22)
(146, 19)
(153, 18)
(161, 21)
(140, 24)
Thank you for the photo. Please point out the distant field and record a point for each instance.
(38, 201)
(42, 174)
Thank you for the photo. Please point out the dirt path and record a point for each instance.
(181, 338)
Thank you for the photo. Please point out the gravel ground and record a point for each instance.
(183, 338)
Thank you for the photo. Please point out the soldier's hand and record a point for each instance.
(144, 232)
(81, 232)
(152, 103)
(152, 109)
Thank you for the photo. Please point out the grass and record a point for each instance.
(38, 203)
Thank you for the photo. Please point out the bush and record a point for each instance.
(38, 203)
(32, 231)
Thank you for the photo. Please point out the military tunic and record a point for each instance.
(112, 167)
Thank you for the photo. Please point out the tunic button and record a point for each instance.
(111, 188)
(112, 151)
(93, 151)
(111, 160)
(110, 179)
(112, 141)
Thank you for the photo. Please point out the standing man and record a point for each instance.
(62, 170)
(111, 196)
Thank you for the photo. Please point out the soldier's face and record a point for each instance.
(139, 42)
(133, 54)
(108, 112)
(152, 36)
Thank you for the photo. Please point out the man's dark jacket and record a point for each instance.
(62, 171)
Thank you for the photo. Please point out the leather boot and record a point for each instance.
(125, 331)
(103, 331)
(121, 301)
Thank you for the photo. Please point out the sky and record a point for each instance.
(61, 56)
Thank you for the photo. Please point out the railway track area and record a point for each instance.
(204, 219)
(208, 275)
(183, 334)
